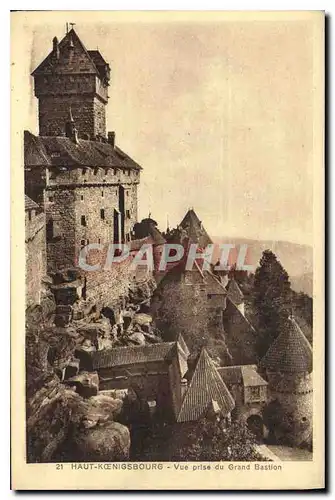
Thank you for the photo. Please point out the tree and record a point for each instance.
(211, 440)
(271, 298)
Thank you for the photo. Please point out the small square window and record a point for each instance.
(255, 393)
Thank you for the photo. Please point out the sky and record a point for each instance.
(219, 114)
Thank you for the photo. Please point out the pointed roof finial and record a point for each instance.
(72, 24)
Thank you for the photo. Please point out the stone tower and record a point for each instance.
(86, 184)
(288, 365)
(71, 76)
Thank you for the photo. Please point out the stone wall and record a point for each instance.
(87, 110)
(35, 256)
(294, 393)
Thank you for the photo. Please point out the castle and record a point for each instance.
(83, 182)
(81, 188)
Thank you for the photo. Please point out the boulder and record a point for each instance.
(142, 319)
(101, 408)
(104, 443)
(87, 384)
(93, 331)
(136, 338)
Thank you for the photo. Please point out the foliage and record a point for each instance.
(211, 440)
(271, 299)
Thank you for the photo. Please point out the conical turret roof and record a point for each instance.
(206, 386)
(192, 225)
(290, 352)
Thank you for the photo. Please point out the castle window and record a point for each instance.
(255, 393)
(83, 220)
(29, 214)
(82, 243)
(129, 173)
(83, 171)
(102, 194)
(102, 213)
(51, 199)
(50, 230)
(96, 171)
(99, 241)
(82, 197)
(128, 214)
(127, 193)
(114, 171)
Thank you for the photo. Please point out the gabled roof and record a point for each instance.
(234, 292)
(194, 229)
(29, 204)
(206, 385)
(245, 375)
(122, 356)
(82, 61)
(62, 151)
(290, 352)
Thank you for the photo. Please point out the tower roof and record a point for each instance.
(82, 60)
(206, 385)
(194, 229)
(290, 352)
(234, 292)
(58, 151)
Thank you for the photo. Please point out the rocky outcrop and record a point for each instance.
(85, 383)
(60, 423)
(108, 443)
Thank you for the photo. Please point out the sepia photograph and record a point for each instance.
(172, 190)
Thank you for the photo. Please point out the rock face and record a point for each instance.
(60, 423)
(107, 443)
(86, 384)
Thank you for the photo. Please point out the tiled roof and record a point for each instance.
(61, 151)
(251, 377)
(206, 385)
(29, 204)
(290, 352)
(231, 375)
(245, 375)
(82, 61)
(194, 229)
(234, 292)
(122, 356)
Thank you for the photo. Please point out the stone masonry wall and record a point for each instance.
(295, 395)
(60, 228)
(35, 256)
(88, 113)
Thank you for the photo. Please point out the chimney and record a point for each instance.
(111, 139)
(183, 387)
(55, 48)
